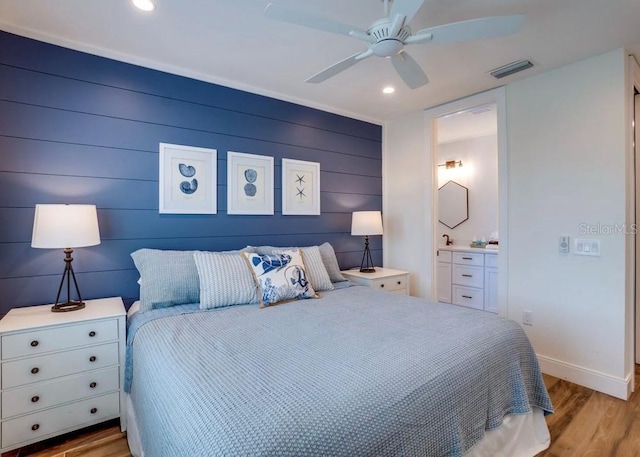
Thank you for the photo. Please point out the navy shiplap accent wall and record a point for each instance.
(77, 128)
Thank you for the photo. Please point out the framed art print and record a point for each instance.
(249, 183)
(300, 187)
(187, 180)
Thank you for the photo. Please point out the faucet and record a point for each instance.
(449, 241)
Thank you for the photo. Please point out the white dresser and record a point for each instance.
(60, 371)
(468, 277)
(385, 279)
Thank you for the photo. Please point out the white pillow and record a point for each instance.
(314, 267)
(281, 277)
(225, 280)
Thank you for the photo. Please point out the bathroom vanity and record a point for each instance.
(468, 277)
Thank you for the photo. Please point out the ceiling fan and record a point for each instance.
(387, 37)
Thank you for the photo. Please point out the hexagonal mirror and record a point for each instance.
(453, 204)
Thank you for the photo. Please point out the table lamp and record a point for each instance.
(366, 223)
(66, 227)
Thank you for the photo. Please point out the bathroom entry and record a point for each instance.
(467, 176)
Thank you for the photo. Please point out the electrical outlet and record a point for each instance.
(527, 317)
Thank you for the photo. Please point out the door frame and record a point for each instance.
(497, 96)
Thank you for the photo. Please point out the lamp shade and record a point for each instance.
(366, 223)
(65, 226)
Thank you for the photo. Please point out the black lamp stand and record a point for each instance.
(366, 266)
(70, 305)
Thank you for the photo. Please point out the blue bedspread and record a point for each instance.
(355, 373)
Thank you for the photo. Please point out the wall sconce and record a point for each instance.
(449, 164)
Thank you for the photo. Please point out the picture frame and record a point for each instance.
(187, 180)
(300, 187)
(249, 183)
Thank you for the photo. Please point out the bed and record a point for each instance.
(356, 372)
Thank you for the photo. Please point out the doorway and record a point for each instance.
(494, 101)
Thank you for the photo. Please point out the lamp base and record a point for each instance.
(367, 270)
(366, 266)
(68, 306)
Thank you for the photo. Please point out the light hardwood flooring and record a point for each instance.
(586, 424)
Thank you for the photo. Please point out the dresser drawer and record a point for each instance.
(468, 276)
(468, 296)
(33, 369)
(41, 395)
(397, 283)
(59, 338)
(466, 258)
(53, 421)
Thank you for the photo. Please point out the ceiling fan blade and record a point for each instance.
(338, 67)
(409, 70)
(407, 8)
(474, 29)
(292, 16)
(396, 25)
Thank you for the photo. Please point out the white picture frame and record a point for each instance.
(300, 187)
(188, 180)
(249, 183)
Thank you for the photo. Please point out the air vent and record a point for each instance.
(511, 68)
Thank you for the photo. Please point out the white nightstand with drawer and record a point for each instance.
(382, 279)
(60, 371)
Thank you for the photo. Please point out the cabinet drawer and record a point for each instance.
(59, 338)
(34, 369)
(397, 283)
(52, 421)
(466, 258)
(444, 256)
(41, 395)
(468, 296)
(491, 260)
(468, 276)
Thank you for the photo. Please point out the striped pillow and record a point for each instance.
(225, 280)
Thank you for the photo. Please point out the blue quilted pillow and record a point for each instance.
(281, 277)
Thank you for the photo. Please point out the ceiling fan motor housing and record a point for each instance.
(387, 45)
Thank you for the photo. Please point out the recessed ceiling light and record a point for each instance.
(388, 90)
(144, 5)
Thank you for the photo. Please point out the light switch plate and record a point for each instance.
(586, 246)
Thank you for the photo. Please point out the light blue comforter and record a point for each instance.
(357, 372)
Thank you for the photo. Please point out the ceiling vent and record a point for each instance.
(511, 68)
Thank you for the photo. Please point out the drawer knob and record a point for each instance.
(92, 333)
(468, 276)
(467, 258)
(35, 399)
(467, 296)
(92, 358)
(93, 410)
(34, 343)
(35, 370)
(399, 282)
(93, 385)
(35, 427)
(381, 285)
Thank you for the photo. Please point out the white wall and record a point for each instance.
(408, 217)
(567, 167)
(567, 164)
(479, 174)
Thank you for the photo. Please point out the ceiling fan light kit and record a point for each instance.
(388, 36)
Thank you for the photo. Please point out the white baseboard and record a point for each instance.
(610, 385)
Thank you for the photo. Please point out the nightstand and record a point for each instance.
(60, 371)
(382, 279)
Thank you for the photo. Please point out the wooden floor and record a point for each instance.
(586, 424)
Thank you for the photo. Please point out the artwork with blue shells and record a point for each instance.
(188, 171)
(250, 189)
